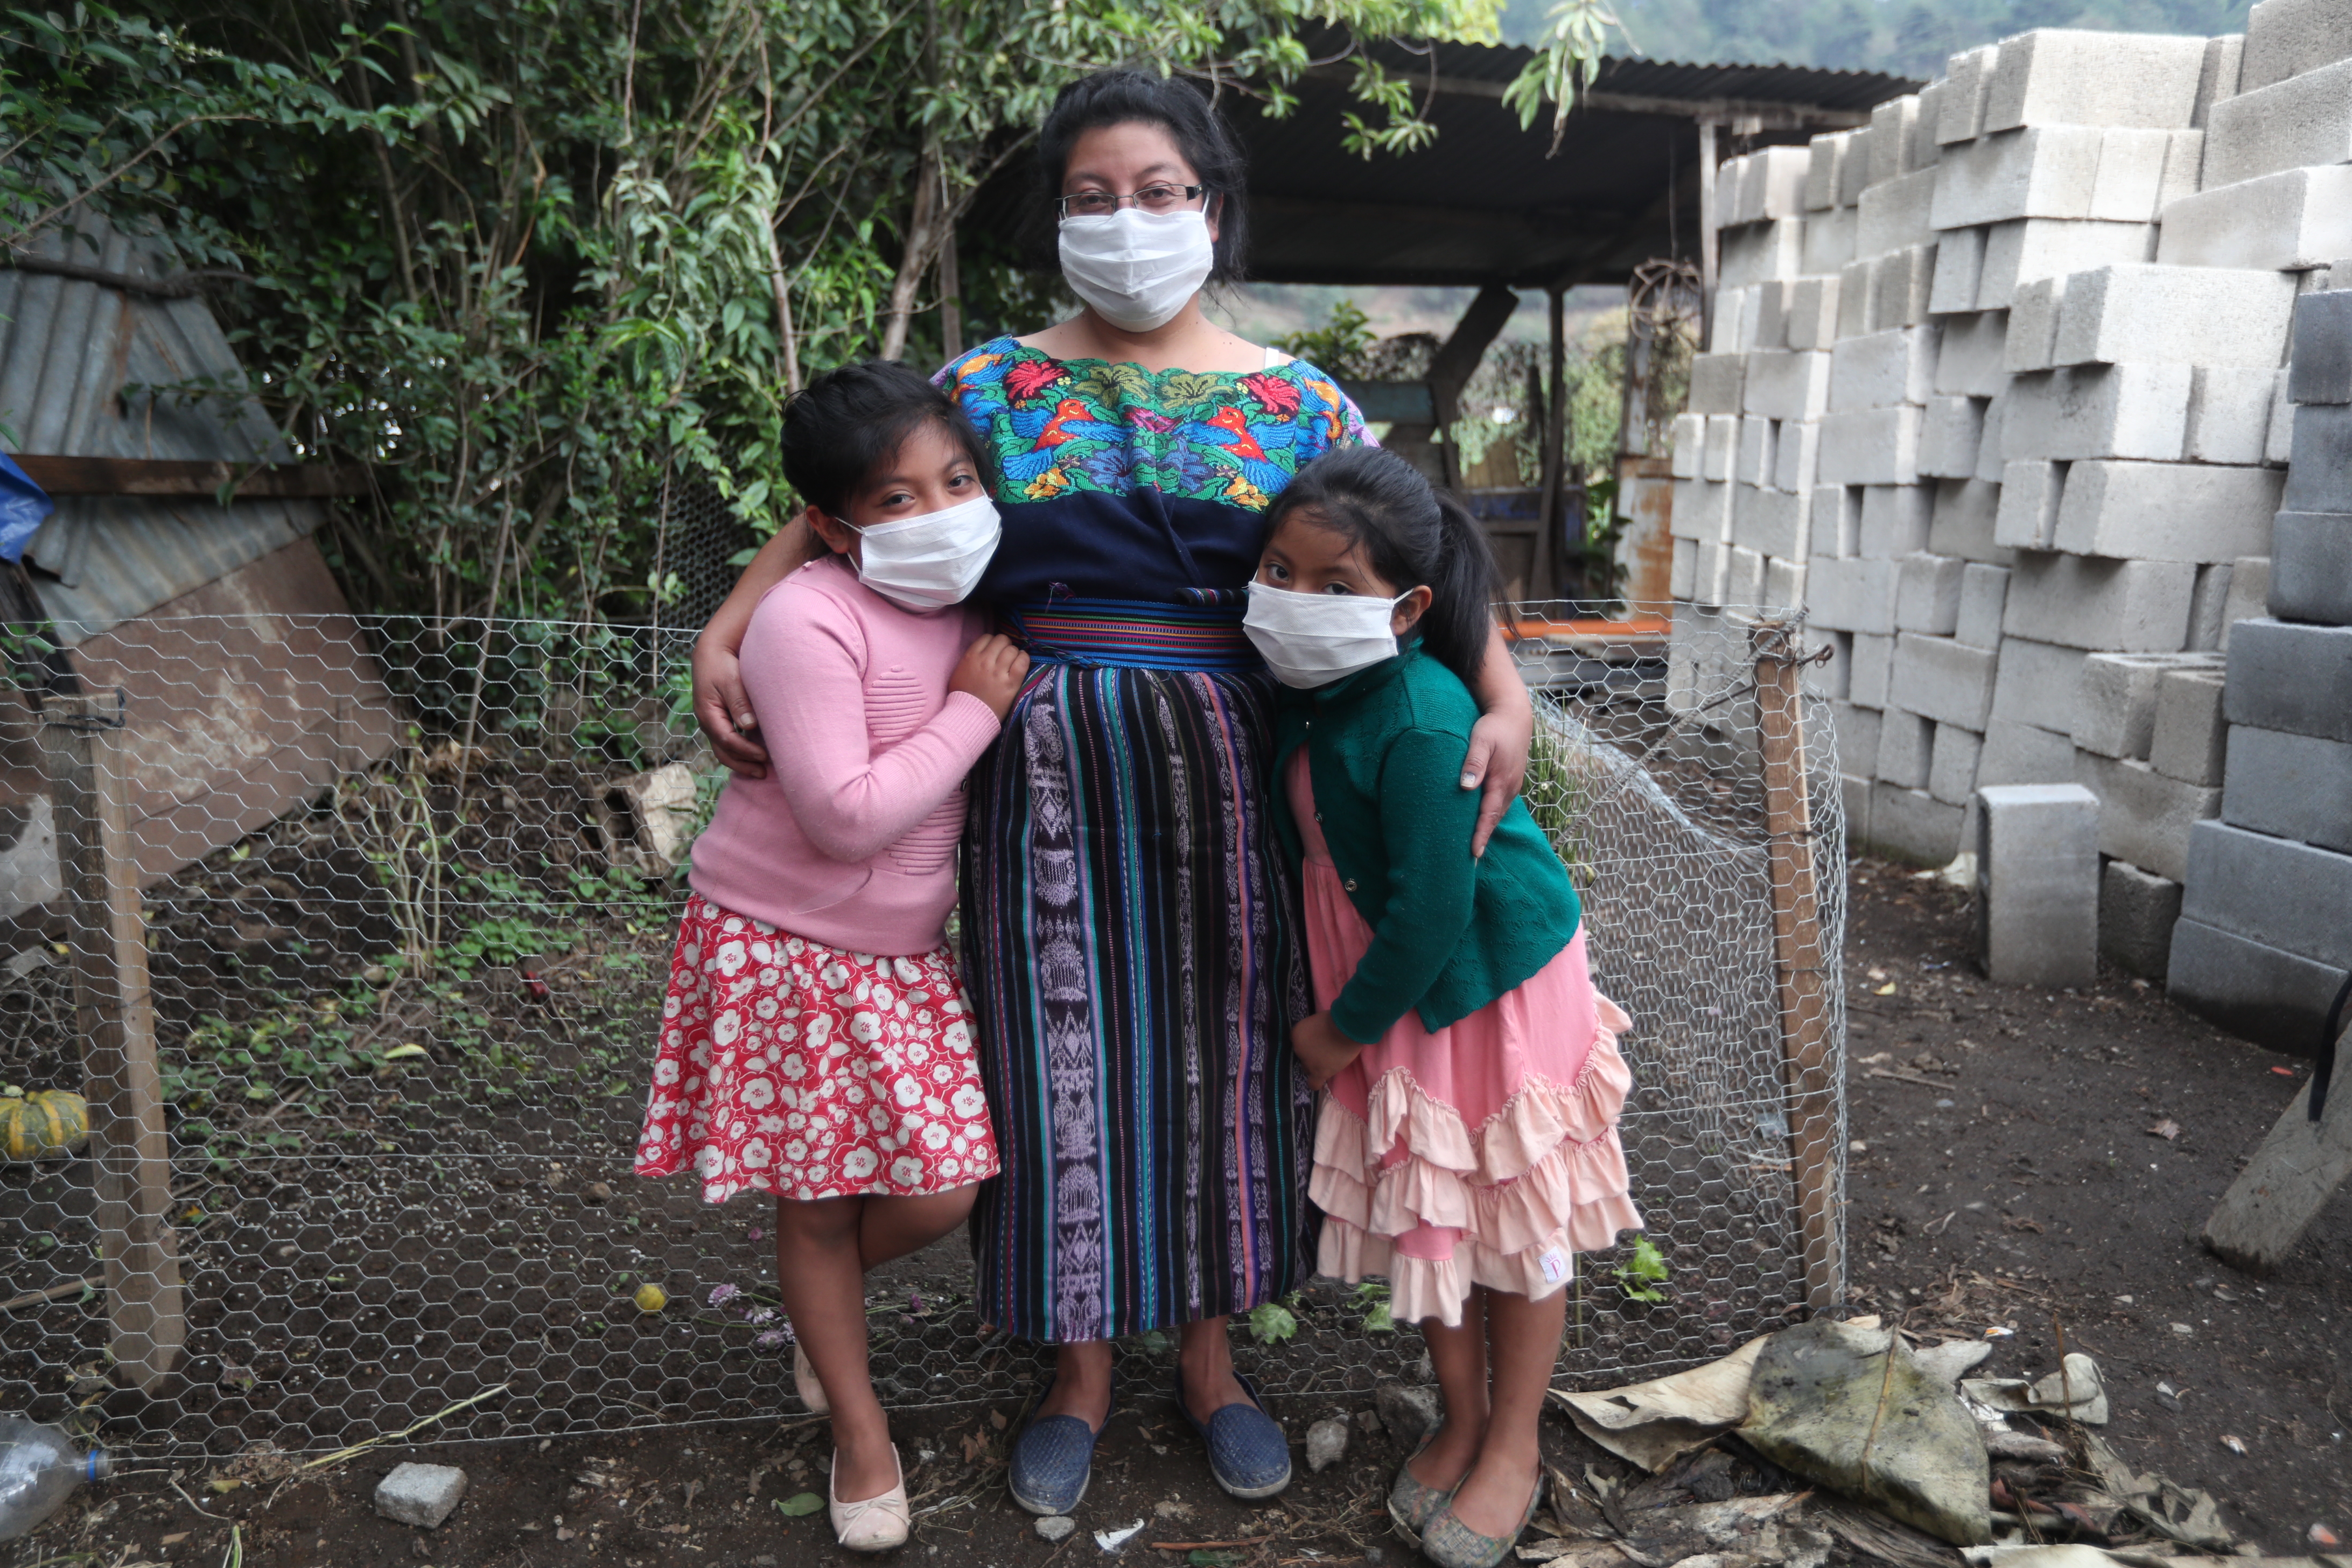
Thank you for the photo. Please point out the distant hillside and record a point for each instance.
(1909, 38)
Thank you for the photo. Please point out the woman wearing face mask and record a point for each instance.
(1130, 932)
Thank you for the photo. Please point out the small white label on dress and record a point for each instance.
(1555, 1265)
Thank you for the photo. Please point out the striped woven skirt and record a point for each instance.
(1130, 948)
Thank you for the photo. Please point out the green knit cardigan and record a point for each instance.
(1450, 932)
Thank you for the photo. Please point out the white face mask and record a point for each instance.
(1313, 640)
(1136, 268)
(930, 562)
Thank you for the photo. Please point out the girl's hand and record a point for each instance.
(1321, 1048)
(992, 671)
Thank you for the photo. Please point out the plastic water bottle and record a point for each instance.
(39, 1468)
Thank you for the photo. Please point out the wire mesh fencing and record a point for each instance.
(354, 937)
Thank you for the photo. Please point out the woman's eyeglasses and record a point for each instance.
(1156, 198)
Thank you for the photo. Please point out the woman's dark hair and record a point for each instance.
(1124, 96)
(851, 420)
(1411, 533)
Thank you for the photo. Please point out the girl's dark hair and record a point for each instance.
(1124, 96)
(1411, 533)
(851, 420)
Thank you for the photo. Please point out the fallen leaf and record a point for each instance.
(1112, 1540)
(2283, 1072)
(2166, 1130)
(800, 1503)
(2235, 1445)
(2021, 1222)
(974, 1444)
(996, 1419)
(175, 1540)
(1886, 990)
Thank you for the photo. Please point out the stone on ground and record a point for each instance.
(1326, 1441)
(421, 1494)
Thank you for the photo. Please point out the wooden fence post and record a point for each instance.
(131, 1151)
(1801, 968)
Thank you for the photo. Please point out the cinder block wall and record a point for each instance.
(1996, 388)
(2265, 930)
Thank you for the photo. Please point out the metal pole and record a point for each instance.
(131, 1153)
(1799, 966)
(1708, 218)
(1551, 539)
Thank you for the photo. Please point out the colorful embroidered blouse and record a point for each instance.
(1122, 490)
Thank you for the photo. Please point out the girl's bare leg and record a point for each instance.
(1522, 1347)
(892, 1227)
(822, 1280)
(1459, 1355)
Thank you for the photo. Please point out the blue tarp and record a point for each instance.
(23, 507)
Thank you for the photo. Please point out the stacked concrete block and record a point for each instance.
(1970, 396)
(2265, 929)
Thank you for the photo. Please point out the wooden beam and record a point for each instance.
(76, 476)
(1456, 361)
(115, 1016)
(1800, 964)
(2290, 1179)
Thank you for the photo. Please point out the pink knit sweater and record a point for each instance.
(851, 838)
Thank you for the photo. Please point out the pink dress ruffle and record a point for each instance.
(1484, 1154)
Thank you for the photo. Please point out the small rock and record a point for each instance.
(2323, 1536)
(1326, 1441)
(1409, 1413)
(1374, 1555)
(420, 1494)
(1054, 1527)
(597, 1192)
(1369, 1420)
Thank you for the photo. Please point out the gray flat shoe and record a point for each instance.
(1450, 1543)
(1412, 1503)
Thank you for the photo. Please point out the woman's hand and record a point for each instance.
(721, 706)
(1500, 740)
(992, 671)
(1321, 1048)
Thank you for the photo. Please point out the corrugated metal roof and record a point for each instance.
(1487, 200)
(1811, 86)
(73, 355)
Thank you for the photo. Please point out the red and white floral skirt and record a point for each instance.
(791, 1068)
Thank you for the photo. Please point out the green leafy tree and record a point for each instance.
(538, 263)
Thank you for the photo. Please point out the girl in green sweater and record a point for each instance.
(1467, 1142)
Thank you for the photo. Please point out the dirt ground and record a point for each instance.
(2005, 1175)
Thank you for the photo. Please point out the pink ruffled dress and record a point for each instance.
(1482, 1154)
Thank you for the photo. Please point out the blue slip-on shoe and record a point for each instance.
(1247, 1451)
(1054, 1458)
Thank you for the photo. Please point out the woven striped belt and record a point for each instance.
(1134, 634)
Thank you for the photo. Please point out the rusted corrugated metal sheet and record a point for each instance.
(76, 361)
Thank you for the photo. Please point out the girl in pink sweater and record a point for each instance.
(816, 1043)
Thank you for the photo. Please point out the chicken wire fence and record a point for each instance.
(407, 898)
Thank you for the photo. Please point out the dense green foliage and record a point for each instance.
(537, 262)
(1909, 38)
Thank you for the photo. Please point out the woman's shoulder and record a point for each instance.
(982, 367)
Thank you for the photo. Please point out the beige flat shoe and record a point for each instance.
(805, 1381)
(876, 1524)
